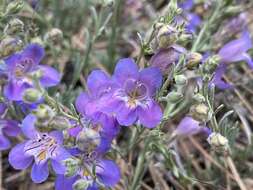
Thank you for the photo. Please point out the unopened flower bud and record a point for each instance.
(32, 95)
(54, 36)
(88, 140)
(167, 35)
(199, 98)
(10, 45)
(36, 74)
(37, 40)
(185, 37)
(43, 113)
(71, 166)
(200, 112)
(218, 141)
(174, 96)
(211, 64)
(14, 7)
(107, 3)
(193, 60)
(60, 123)
(180, 80)
(81, 184)
(14, 26)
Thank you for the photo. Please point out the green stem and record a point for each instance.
(139, 169)
(113, 37)
(206, 26)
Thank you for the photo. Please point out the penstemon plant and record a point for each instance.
(77, 117)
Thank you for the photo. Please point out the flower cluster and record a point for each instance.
(126, 98)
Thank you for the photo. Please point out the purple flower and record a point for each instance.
(106, 171)
(40, 147)
(164, 58)
(9, 128)
(133, 99)
(189, 126)
(236, 50)
(20, 68)
(3, 108)
(233, 51)
(217, 78)
(91, 139)
(92, 103)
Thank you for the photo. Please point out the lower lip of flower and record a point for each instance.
(42, 148)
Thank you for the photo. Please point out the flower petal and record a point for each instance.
(4, 143)
(18, 159)
(152, 77)
(81, 102)
(125, 69)
(217, 79)
(10, 127)
(150, 114)
(126, 116)
(58, 136)
(189, 126)
(14, 90)
(28, 126)
(58, 167)
(3, 108)
(246, 57)
(39, 172)
(233, 50)
(108, 173)
(50, 76)
(61, 154)
(96, 80)
(64, 183)
(34, 52)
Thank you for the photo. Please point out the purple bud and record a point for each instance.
(164, 58)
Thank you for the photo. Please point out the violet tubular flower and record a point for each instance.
(38, 150)
(233, 51)
(92, 103)
(164, 58)
(19, 70)
(236, 50)
(7, 128)
(133, 99)
(188, 126)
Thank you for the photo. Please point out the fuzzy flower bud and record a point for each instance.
(81, 184)
(32, 95)
(199, 98)
(193, 60)
(60, 123)
(14, 7)
(43, 112)
(88, 139)
(71, 165)
(218, 141)
(14, 26)
(211, 64)
(174, 96)
(54, 36)
(167, 35)
(200, 112)
(10, 45)
(180, 80)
